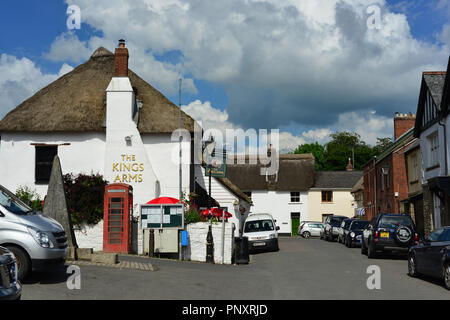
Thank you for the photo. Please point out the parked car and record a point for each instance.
(331, 226)
(388, 233)
(10, 287)
(340, 230)
(311, 229)
(300, 226)
(431, 256)
(35, 239)
(262, 232)
(353, 235)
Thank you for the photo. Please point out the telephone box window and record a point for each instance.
(44, 162)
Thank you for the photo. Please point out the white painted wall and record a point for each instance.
(279, 205)
(225, 198)
(17, 156)
(425, 151)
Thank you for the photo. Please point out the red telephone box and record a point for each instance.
(117, 222)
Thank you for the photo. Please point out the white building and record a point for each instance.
(284, 195)
(433, 128)
(100, 118)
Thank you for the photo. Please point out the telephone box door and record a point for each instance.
(118, 206)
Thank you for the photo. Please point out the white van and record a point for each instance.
(35, 240)
(262, 232)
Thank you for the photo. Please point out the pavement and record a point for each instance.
(302, 269)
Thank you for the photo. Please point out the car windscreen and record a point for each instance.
(356, 225)
(258, 226)
(335, 222)
(393, 221)
(13, 204)
(347, 223)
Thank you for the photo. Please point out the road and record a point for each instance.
(302, 269)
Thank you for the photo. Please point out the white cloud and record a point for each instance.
(280, 62)
(20, 79)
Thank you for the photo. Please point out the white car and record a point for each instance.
(262, 232)
(310, 229)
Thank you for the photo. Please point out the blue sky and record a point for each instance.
(244, 81)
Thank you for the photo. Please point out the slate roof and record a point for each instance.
(435, 82)
(336, 179)
(296, 173)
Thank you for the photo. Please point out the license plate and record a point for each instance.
(384, 235)
(259, 244)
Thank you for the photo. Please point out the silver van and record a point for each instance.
(34, 239)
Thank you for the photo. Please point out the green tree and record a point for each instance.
(318, 152)
(382, 145)
(346, 145)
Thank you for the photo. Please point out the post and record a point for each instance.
(209, 237)
(181, 155)
(223, 236)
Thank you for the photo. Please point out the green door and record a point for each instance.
(295, 222)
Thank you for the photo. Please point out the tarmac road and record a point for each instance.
(302, 269)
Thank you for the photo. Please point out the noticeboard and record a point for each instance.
(162, 216)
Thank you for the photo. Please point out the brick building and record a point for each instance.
(385, 179)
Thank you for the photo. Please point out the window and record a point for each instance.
(325, 216)
(327, 196)
(295, 196)
(434, 150)
(44, 162)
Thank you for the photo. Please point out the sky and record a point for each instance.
(305, 67)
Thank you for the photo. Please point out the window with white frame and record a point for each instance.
(433, 141)
(295, 196)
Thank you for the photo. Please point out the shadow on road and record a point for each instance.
(51, 275)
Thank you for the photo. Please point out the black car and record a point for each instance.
(345, 224)
(10, 287)
(431, 256)
(353, 234)
(388, 232)
(330, 228)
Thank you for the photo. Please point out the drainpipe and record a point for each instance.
(445, 146)
(375, 185)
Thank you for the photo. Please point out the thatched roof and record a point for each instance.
(77, 102)
(296, 173)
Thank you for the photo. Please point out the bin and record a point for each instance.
(242, 254)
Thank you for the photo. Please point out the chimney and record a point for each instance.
(402, 123)
(121, 60)
(349, 165)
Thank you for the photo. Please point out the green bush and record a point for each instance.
(30, 197)
(85, 197)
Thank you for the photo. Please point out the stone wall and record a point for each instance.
(90, 236)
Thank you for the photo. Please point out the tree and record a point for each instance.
(343, 146)
(382, 145)
(318, 152)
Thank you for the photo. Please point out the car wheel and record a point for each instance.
(23, 262)
(446, 272)
(412, 266)
(363, 248)
(306, 235)
(277, 248)
(370, 251)
(349, 243)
